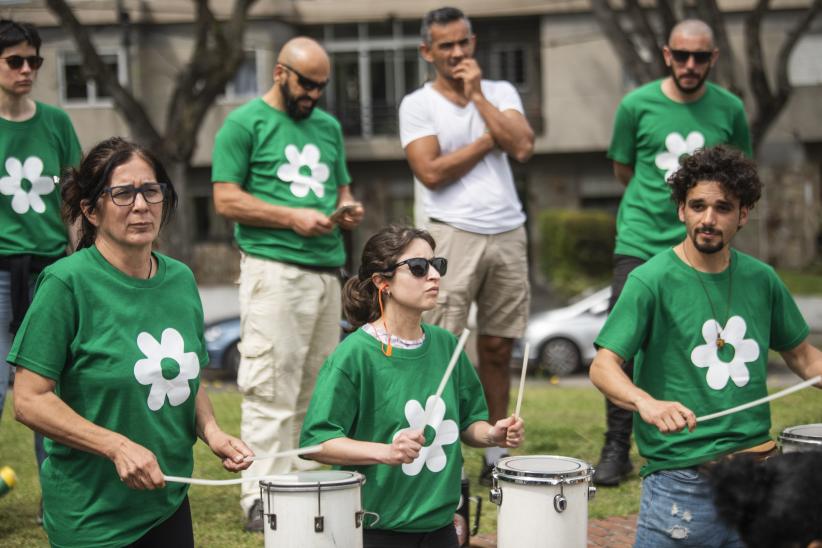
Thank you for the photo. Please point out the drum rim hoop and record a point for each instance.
(583, 474)
(333, 485)
(787, 435)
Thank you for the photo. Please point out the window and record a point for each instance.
(510, 63)
(244, 85)
(77, 90)
(374, 65)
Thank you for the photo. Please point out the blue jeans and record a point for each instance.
(677, 510)
(6, 339)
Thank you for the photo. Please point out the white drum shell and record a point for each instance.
(802, 438)
(527, 518)
(295, 511)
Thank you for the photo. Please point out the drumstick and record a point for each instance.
(522, 379)
(781, 393)
(216, 483)
(289, 453)
(454, 357)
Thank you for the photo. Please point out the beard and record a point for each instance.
(292, 103)
(691, 89)
(708, 248)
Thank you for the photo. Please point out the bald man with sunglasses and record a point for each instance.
(656, 124)
(279, 173)
(37, 141)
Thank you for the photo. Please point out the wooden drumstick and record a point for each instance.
(522, 379)
(760, 401)
(289, 453)
(454, 358)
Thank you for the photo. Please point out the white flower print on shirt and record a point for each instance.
(678, 145)
(150, 371)
(447, 432)
(12, 184)
(744, 351)
(301, 183)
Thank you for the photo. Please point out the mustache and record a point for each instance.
(709, 231)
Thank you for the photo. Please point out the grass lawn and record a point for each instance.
(561, 420)
(803, 283)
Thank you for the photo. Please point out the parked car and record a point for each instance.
(222, 338)
(562, 339)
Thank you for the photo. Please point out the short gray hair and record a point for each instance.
(441, 16)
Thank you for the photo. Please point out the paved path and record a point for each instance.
(612, 532)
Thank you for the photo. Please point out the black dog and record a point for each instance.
(772, 504)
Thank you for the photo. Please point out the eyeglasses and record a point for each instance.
(15, 62)
(700, 57)
(124, 195)
(306, 83)
(419, 265)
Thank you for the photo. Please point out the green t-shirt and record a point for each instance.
(664, 320)
(364, 395)
(125, 354)
(288, 163)
(32, 154)
(651, 133)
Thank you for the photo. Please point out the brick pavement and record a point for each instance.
(612, 532)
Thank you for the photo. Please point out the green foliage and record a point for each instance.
(806, 282)
(560, 420)
(576, 248)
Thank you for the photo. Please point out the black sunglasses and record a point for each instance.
(124, 195)
(700, 57)
(306, 83)
(15, 62)
(419, 266)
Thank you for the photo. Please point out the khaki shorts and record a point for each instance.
(489, 269)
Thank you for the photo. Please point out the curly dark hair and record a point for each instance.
(722, 164)
(383, 249)
(772, 504)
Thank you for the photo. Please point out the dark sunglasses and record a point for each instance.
(15, 62)
(124, 195)
(700, 57)
(306, 83)
(419, 266)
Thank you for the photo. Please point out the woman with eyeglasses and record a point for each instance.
(369, 407)
(108, 359)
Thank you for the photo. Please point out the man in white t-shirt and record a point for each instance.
(458, 132)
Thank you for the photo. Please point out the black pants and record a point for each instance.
(441, 538)
(175, 532)
(620, 421)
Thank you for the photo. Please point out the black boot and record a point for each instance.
(614, 464)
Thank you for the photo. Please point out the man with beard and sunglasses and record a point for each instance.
(279, 173)
(699, 320)
(458, 132)
(655, 125)
(37, 141)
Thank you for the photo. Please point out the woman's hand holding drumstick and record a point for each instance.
(405, 447)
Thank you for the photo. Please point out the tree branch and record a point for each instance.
(645, 33)
(94, 68)
(607, 18)
(709, 11)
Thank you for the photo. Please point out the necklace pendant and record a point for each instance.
(720, 342)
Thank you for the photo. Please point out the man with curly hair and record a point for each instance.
(698, 319)
(654, 125)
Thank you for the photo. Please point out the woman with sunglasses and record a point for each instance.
(108, 361)
(36, 142)
(369, 407)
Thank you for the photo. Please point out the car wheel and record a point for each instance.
(231, 361)
(559, 357)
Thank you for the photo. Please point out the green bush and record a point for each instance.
(576, 248)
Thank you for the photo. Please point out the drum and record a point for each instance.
(806, 437)
(543, 501)
(320, 509)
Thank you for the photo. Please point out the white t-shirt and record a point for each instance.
(484, 200)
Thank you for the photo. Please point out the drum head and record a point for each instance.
(805, 433)
(546, 469)
(313, 480)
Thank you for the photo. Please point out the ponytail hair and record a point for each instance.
(84, 184)
(360, 297)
